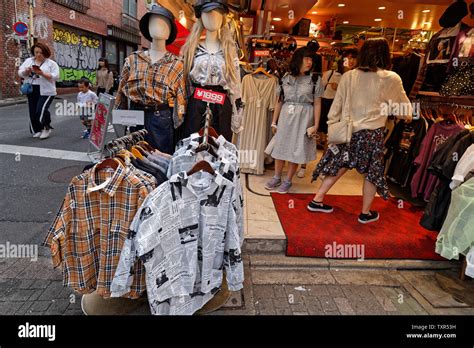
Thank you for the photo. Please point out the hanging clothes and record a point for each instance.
(423, 183)
(407, 67)
(404, 146)
(259, 96)
(457, 235)
(185, 234)
(443, 166)
(89, 231)
(463, 168)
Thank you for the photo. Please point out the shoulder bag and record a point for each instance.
(341, 132)
(27, 87)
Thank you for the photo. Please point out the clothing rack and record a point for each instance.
(427, 104)
(125, 142)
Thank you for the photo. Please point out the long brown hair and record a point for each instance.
(374, 55)
(229, 47)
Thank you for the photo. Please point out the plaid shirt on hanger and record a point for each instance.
(151, 84)
(88, 233)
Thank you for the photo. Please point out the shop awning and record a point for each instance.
(121, 34)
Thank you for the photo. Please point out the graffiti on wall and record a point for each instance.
(41, 23)
(76, 54)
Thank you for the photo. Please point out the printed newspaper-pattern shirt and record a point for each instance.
(186, 235)
(227, 164)
(88, 233)
(150, 84)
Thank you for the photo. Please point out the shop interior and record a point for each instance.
(434, 59)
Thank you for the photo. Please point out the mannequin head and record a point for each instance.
(159, 28)
(213, 20)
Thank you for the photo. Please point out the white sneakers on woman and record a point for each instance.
(37, 135)
(45, 133)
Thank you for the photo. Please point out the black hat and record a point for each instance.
(313, 45)
(209, 5)
(454, 14)
(159, 11)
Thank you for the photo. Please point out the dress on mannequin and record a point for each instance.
(259, 94)
(212, 65)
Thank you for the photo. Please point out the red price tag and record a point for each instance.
(262, 53)
(209, 96)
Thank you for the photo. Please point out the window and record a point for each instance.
(111, 51)
(130, 7)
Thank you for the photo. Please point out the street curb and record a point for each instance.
(24, 101)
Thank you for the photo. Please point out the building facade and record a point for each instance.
(79, 32)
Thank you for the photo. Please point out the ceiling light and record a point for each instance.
(426, 11)
(277, 19)
(345, 22)
(284, 6)
(382, 8)
(314, 12)
(427, 23)
(341, 5)
(397, 40)
(378, 19)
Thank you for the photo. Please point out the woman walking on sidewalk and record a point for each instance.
(105, 78)
(42, 73)
(297, 114)
(360, 98)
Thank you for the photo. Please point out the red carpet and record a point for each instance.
(397, 235)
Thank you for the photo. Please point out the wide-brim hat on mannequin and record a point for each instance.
(158, 11)
(209, 5)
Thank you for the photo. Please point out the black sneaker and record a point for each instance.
(320, 207)
(368, 218)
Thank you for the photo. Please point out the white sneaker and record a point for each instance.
(301, 173)
(45, 134)
(37, 135)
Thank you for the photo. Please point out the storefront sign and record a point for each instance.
(209, 96)
(100, 123)
(262, 53)
(128, 117)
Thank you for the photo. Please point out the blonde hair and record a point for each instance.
(227, 43)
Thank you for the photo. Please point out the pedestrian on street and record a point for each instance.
(86, 100)
(42, 73)
(105, 77)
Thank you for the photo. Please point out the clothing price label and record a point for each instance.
(334, 149)
(208, 96)
(128, 117)
(259, 103)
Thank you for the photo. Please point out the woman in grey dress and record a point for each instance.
(297, 114)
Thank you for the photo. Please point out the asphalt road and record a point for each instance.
(29, 200)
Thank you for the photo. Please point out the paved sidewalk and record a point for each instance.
(34, 288)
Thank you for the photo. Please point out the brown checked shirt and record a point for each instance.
(151, 84)
(89, 231)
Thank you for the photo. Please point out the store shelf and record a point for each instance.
(436, 97)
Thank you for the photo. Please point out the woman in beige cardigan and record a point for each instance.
(367, 95)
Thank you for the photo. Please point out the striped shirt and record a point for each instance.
(151, 84)
(89, 231)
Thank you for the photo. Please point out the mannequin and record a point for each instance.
(212, 64)
(151, 79)
(160, 31)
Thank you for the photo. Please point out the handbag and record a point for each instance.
(341, 132)
(26, 88)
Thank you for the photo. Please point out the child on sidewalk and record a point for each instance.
(86, 100)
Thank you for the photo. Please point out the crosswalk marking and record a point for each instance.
(47, 153)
